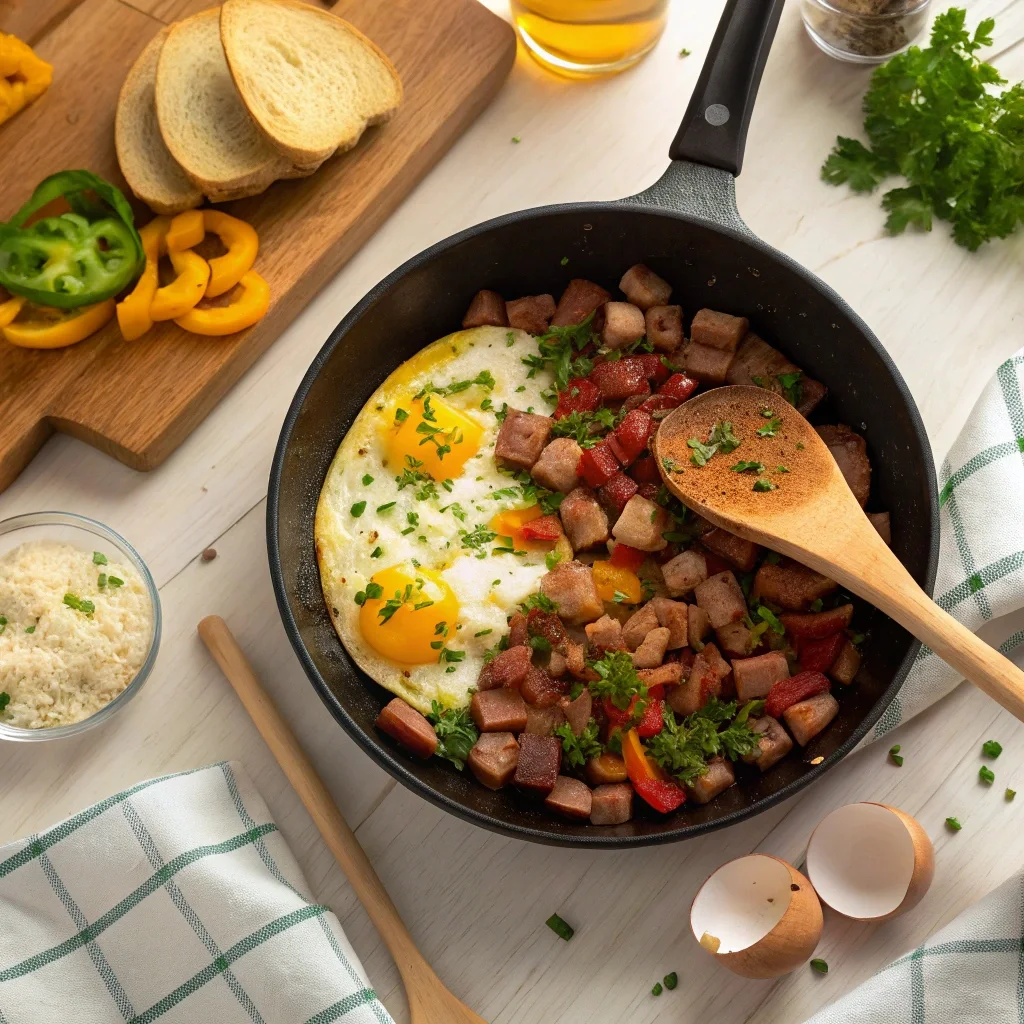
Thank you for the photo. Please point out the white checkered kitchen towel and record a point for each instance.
(175, 901)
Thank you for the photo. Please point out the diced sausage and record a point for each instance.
(698, 625)
(556, 467)
(759, 364)
(531, 313)
(815, 625)
(605, 634)
(847, 665)
(507, 668)
(540, 690)
(571, 586)
(721, 597)
(486, 310)
(812, 392)
(664, 326)
(774, 743)
(518, 630)
(739, 552)
(651, 653)
(737, 640)
(605, 770)
(641, 525)
(703, 682)
(706, 364)
(754, 677)
(501, 710)
(880, 521)
(850, 451)
(669, 674)
(493, 759)
(577, 712)
(543, 721)
(576, 659)
(684, 572)
(558, 664)
(570, 798)
(623, 325)
(638, 625)
(809, 717)
(405, 724)
(644, 288)
(718, 777)
(718, 330)
(578, 301)
(540, 757)
(612, 804)
(673, 615)
(584, 521)
(522, 438)
(791, 585)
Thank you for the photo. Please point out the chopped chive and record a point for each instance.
(564, 260)
(114, 582)
(79, 604)
(991, 748)
(98, 558)
(560, 928)
(483, 632)
(32, 629)
(367, 479)
(101, 580)
(953, 825)
(377, 552)
(819, 965)
(5, 699)
(986, 775)
(358, 509)
(401, 415)
(386, 506)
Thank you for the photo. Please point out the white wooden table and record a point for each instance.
(477, 902)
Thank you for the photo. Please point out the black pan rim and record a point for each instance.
(377, 751)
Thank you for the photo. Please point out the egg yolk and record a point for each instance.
(432, 433)
(414, 616)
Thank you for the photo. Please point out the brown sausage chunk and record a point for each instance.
(605, 634)
(651, 653)
(507, 668)
(706, 676)
(518, 631)
(754, 677)
(718, 330)
(539, 760)
(669, 674)
(682, 573)
(816, 625)
(664, 326)
(703, 363)
(807, 718)
(698, 625)
(486, 310)
(571, 586)
(612, 804)
(584, 521)
(606, 770)
(577, 712)
(718, 777)
(638, 625)
(540, 690)
(493, 759)
(847, 664)
(773, 745)
(623, 325)
(850, 451)
(531, 313)
(543, 721)
(644, 288)
(405, 724)
(570, 798)
(641, 525)
(556, 467)
(880, 521)
(721, 597)
(673, 615)
(791, 585)
(522, 438)
(741, 553)
(501, 710)
(737, 640)
(759, 364)
(578, 301)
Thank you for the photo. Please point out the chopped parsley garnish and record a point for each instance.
(584, 427)
(817, 605)
(559, 348)
(671, 980)
(367, 479)
(953, 824)
(670, 465)
(720, 439)
(386, 506)
(401, 415)
(358, 509)
(782, 469)
(768, 430)
(620, 598)
(554, 922)
(991, 748)
(684, 52)
(748, 467)
(701, 452)
(618, 681)
(539, 601)
(3, 623)
(456, 733)
(114, 582)
(483, 379)
(98, 558)
(30, 629)
(477, 538)
(5, 699)
(578, 750)
(551, 559)
(563, 260)
(766, 615)
(79, 604)
(510, 339)
(377, 552)
(764, 484)
(502, 412)
(986, 775)
(372, 592)
(895, 756)
(792, 389)
(819, 965)
(101, 580)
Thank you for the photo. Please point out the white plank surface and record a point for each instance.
(477, 902)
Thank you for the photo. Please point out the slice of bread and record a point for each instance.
(312, 82)
(153, 175)
(203, 120)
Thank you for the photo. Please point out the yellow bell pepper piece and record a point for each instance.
(187, 230)
(62, 332)
(177, 298)
(10, 309)
(243, 312)
(23, 76)
(510, 523)
(133, 311)
(611, 579)
(242, 244)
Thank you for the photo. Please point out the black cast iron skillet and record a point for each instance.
(687, 229)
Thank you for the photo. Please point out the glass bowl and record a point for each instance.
(864, 31)
(81, 531)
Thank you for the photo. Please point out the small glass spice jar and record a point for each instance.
(864, 31)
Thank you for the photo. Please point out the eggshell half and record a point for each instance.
(763, 912)
(870, 861)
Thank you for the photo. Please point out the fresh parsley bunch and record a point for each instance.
(934, 117)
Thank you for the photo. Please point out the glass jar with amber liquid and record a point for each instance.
(582, 38)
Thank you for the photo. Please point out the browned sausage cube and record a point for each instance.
(486, 310)
(507, 668)
(664, 326)
(571, 586)
(531, 313)
(644, 288)
(605, 770)
(638, 625)
(682, 573)
(774, 743)
(584, 521)
(703, 681)
(698, 625)
(570, 798)
(703, 363)
(605, 634)
(522, 438)
(539, 760)
(651, 653)
(578, 301)
(811, 394)
(493, 759)
(718, 330)
(556, 467)
(641, 525)
(880, 521)
(850, 451)
(501, 710)
(623, 325)
(791, 585)
(612, 804)
(736, 640)
(518, 631)
(809, 717)
(721, 597)
(669, 674)
(577, 712)
(719, 776)
(754, 677)
(673, 615)
(405, 724)
(543, 721)
(846, 665)
(741, 553)
(540, 690)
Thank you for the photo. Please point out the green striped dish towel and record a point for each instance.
(175, 901)
(981, 553)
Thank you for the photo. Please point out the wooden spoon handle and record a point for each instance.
(313, 793)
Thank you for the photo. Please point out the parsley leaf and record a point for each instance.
(618, 681)
(456, 733)
(748, 467)
(577, 750)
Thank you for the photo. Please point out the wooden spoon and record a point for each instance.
(810, 514)
(429, 1001)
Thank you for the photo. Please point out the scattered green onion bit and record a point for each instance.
(671, 980)
(684, 52)
(3, 623)
(763, 484)
(80, 605)
(114, 582)
(101, 580)
(656, 991)
(98, 558)
(986, 775)
(5, 699)
(377, 552)
(819, 965)
(358, 509)
(1010, 794)
(953, 824)
(991, 748)
(516, 139)
(367, 479)
(560, 928)
(564, 260)
(30, 629)
(895, 756)
(386, 506)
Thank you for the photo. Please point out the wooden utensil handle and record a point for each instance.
(313, 793)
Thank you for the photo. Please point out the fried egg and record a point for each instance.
(418, 529)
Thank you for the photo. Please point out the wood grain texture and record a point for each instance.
(139, 400)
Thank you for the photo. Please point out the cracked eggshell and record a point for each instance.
(763, 914)
(870, 862)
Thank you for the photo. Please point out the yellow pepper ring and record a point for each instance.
(178, 297)
(133, 314)
(217, 321)
(10, 309)
(60, 333)
(187, 230)
(242, 244)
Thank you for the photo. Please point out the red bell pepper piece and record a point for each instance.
(648, 491)
(617, 491)
(653, 720)
(664, 797)
(597, 465)
(818, 655)
(579, 396)
(815, 625)
(659, 403)
(715, 563)
(544, 528)
(788, 692)
(679, 386)
(625, 557)
(631, 435)
(620, 378)
(645, 471)
(654, 368)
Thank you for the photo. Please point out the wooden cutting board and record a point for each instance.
(139, 400)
